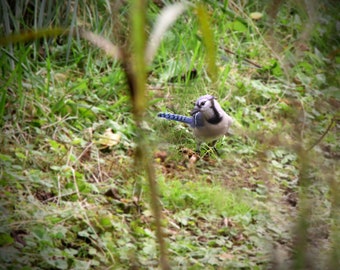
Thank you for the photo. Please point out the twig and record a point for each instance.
(323, 135)
(245, 59)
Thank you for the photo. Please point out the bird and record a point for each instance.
(208, 120)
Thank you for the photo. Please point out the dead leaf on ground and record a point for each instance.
(226, 256)
(108, 139)
(161, 155)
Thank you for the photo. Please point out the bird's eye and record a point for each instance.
(202, 103)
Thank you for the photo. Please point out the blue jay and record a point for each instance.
(208, 120)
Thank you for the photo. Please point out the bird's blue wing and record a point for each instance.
(198, 120)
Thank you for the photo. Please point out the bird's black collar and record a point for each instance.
(217, 118)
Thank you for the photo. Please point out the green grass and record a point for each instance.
(71, 201)
(198, 194)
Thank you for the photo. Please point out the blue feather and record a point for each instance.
(177, 117)
(198, 120)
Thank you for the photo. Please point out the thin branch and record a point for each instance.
(324, 134)
(245, 59)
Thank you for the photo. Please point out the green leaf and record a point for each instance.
(5, 239)
(105, 222)
(208, 40)
(239, 26)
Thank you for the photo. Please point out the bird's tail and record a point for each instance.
(176, 117)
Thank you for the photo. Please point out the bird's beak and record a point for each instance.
(195, 110)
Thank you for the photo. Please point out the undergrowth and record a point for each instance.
(71, 196)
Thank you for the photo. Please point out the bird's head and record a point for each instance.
(203, 104)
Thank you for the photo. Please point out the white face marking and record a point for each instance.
(204, 103)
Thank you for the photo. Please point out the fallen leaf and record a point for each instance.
(161, 155)
(256, 15)
(109, 138)
(226, 256)
(192, 159)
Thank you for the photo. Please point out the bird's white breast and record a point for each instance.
(210, 132)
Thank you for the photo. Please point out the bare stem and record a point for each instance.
(331, 124)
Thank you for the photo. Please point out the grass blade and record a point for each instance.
(167, 17)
